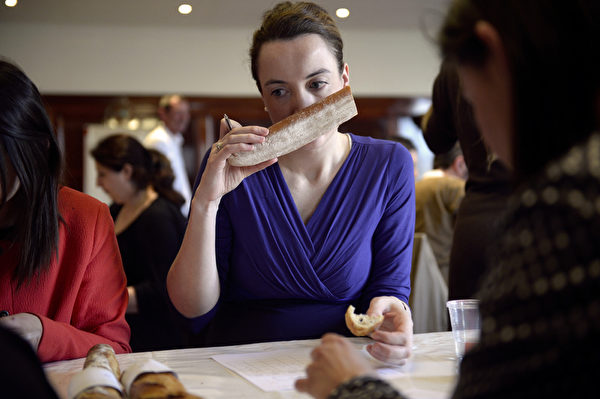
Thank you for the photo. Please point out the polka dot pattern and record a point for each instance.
(540, 301)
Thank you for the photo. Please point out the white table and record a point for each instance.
(430, 373)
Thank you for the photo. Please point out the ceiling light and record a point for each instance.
(185, 9)
(10, 3)
(342, 12)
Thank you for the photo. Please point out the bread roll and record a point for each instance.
(99, 378)
(361, 324)
(300, 128)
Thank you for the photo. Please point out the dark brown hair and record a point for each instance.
(289, 20)
(148, 167)
(552, 51)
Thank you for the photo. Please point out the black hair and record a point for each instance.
(552, 51)
(28, 143)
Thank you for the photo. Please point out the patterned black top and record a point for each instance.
(540, 303)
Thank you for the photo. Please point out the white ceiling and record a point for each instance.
(364, 14)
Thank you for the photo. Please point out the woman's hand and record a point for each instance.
(394, 336)
(27, 325)
(219, 177)
(333, 362)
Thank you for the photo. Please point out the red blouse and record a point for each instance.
(82, 298)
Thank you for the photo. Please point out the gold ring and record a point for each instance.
(219, 146)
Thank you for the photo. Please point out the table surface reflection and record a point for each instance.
(430, 373)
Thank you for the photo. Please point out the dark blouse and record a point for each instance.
(148, 247)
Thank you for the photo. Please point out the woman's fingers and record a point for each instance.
(240, 140)
(389, 353)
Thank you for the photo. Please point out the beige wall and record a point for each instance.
(141, 60)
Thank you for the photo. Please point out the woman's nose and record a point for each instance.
(301, 99)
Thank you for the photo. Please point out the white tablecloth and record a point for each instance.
(430, 373)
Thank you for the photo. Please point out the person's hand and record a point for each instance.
(394, 336)
(219, 177)
(334, 361)
(27, 325)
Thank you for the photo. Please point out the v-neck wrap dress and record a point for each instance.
(282, 279)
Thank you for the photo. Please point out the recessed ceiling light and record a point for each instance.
(10, 3)
(342, 12)
(185, 9)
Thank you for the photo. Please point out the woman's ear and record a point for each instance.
(346, 75)
(127, 170)
(496, 62)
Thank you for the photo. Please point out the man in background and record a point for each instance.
(438, 195)
(167, 137)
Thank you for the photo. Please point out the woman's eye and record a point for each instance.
(277, 92)
(319, 84)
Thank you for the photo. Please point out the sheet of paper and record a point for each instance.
(277, 370)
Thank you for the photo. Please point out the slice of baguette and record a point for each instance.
(301, 128)
(361, 324)
(99, 378)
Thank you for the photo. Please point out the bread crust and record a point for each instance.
(362, 324)
(301, 128)
(101, 356)
(158, 386)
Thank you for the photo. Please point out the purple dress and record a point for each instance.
(282, 279)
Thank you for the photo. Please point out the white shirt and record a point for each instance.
(170, 144)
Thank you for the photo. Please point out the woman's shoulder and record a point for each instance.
(162, 210)
(377, 148)
(383, 156)
(82, 214)
(72, 202)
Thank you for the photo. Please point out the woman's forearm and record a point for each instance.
(193, 280)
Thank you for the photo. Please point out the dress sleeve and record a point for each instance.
(393, 238)
(98, 315)
(365, 387)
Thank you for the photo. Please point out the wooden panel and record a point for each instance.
(377, 117)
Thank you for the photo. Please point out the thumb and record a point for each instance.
(377, 307)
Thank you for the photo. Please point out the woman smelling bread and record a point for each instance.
(279, 250)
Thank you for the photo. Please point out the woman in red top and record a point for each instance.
(62, 285)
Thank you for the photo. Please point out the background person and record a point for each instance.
(299, 240)
(437, 198)
(149, 228)
(481, 212)
(61, 277)
(540, 303)
(167, 137)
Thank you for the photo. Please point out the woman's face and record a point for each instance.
(488, 88)
(296, 73)
(491, 107)
(117, 185)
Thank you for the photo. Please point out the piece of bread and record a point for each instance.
(99, 378)
(158, 386)
(103, 355)
(301, 128)
(361, 324)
